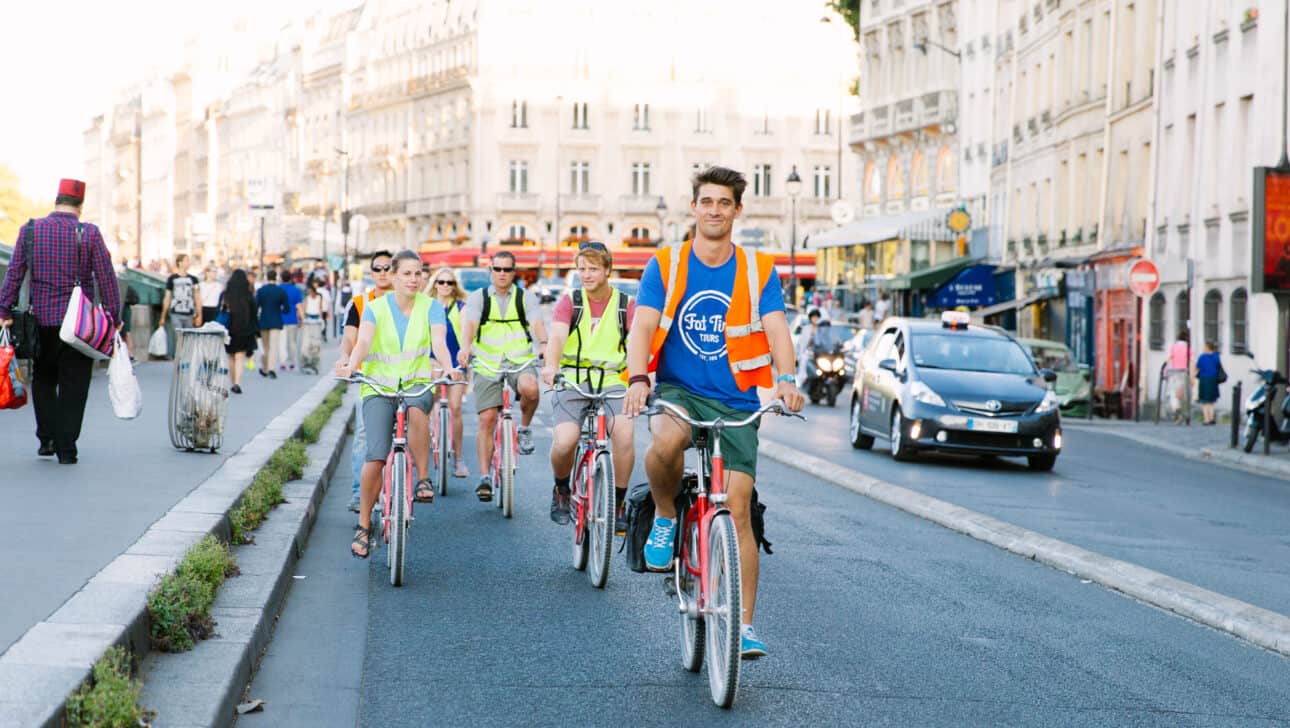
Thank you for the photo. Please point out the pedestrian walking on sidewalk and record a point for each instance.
(272, 301)
(48, 249)
(289, 344)
(238, 304)
(1209, 374)
(210, 291)
(181, 305)
(1179, 374)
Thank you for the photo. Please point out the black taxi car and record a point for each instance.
(951, 386)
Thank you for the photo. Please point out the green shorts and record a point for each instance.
(738, 444)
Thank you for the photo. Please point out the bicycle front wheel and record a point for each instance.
(507, 500)
(398, 517)
(600, 519)
(441, 450)
(722, 612)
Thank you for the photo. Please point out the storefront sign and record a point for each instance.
(972, 287)
(1271, 230)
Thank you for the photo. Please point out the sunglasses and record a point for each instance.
(499, 269)
(382, 268)
(450, 284)
(592, 245)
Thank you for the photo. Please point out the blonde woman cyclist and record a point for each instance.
(445, 287)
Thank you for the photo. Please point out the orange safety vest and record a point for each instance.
(746, 344)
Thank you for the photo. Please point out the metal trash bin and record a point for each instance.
(199, 389)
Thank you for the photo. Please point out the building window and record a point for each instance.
(764, 127)
(519, 114)
(580, 115)
(1213, 308)
(1156, 315)
(640, 117)
(580, 177)
(701, 123)
(640, 179)
(519, 177)
(1237, 318)
(579, 233)
(823, 118)
(823, 180)
(1182, 313)
(640, 233)
(517, 232)
(761, 180)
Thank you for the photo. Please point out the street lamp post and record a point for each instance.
(661, 211)
(794, 189)
(344, 214)
(558, 101)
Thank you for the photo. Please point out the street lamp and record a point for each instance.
(921, 47)
(794, 189)
(661, 211)
(344, 214)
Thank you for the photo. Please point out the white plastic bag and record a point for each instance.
(123, 387)
(158, 346)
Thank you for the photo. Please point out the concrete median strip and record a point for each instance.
(1256, 625)
(50, 661)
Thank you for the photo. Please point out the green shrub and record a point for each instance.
(209, 560)
(110, 699)
(290, 460)
(180, 612)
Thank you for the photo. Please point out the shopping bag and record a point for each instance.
(123, 386)
(13, 393)
(86, 326)
(158, 346)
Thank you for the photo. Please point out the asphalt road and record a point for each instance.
(872, 616)
(1216, 527)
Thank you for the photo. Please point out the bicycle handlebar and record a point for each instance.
(655, 406)
(384, 391)
(446, 379)
(562, 382)
(504, 372)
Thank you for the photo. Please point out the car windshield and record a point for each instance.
(473, 280)
(970, 353)
(1056, 358)
(830, 337)
(630, 286)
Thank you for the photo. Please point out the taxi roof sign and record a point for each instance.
(955, 320)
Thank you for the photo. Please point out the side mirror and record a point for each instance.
(888, 364)
(1049, 375)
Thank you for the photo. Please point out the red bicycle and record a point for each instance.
(592, 487)
(396, 488)
(506, 449)
(706, 579)
(441, 440)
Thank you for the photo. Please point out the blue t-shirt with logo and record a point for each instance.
(694, 353)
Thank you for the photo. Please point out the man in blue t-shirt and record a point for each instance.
(694, 369)
(289, 351)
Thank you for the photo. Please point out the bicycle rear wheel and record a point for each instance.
(507, 500)
(441, 454)
(578, 490)
(600, 519)
(722, 612)
(687, 593)
(398, 517)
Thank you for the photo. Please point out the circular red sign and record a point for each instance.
(1144, 278)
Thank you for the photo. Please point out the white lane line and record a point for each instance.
(1259, 626)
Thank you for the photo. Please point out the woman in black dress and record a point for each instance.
(237, 303)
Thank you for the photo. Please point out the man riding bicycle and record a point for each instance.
(588, 344)
(710, 322)
(497, 332)
(401, 340)
(380, 266)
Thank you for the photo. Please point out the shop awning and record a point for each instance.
(921, 225)
(929, 278)
(1013, 305)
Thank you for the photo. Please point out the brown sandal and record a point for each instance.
(363, 540)
(424, 492)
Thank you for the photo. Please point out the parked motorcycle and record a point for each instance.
(1260, 398)
(826, 370)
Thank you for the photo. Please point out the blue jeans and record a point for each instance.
(358, 448)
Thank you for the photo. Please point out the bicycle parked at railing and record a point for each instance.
(442, 443)
(706, 578)
(592, 487)
(397, 478)
(505, 447)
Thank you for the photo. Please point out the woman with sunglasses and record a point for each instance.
(445, 288)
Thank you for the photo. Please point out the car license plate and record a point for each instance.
(979, 425)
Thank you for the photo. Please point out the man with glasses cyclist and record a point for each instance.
(381, 265)
(710, 322)
(497, 331)
(588, 334)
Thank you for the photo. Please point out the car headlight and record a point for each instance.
(824, 363)
(923, 393)
(1049, 403)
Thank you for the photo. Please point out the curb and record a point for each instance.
(1256, 625)
(203, 687)
(51, 660)
(1225, 457)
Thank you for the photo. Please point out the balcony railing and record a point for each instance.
(765, 206)
(382, 208)
(939, 107)
(437, 205)
(581, 203)
(517, 202)
(639, 204)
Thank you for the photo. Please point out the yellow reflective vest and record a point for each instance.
(595, 353)
(391, 362)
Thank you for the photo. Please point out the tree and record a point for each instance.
(15, 207)
(850, 12)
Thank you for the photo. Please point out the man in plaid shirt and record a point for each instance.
(60, 375)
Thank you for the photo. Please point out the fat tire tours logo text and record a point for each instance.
(703, 325)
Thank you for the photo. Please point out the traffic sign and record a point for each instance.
(1144, 278)
(958, 221)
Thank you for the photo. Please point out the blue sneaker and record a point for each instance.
(659, 547)
(750, 648)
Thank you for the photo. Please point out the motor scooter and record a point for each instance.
(826, 373)
(1259, 399)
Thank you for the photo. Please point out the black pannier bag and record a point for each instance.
(640, 520)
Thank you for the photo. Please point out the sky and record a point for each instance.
(66, 60)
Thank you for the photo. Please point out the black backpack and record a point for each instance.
(623, 301)
(518, 290)
(640, 520)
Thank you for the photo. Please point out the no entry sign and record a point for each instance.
(1144, 278)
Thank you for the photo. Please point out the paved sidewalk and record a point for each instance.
(1195, 441)
(65, 523)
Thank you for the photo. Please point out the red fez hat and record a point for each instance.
(72, 188)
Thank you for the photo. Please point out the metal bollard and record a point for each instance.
(1267, 417)
(1236, 413)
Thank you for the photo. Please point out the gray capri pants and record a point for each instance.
(378, 418)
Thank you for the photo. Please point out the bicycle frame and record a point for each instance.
(709, 500)
(398, 445)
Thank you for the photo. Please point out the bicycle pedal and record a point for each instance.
(669, 585)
